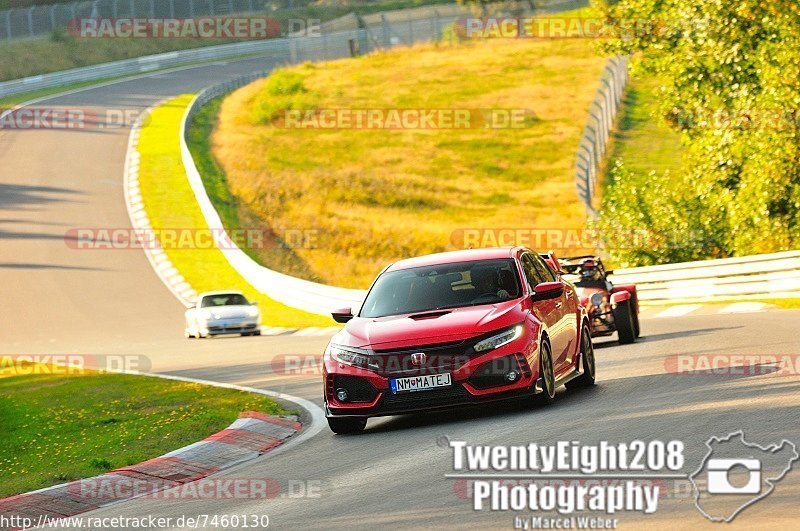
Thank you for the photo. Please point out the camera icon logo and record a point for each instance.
(720, 472)
(735, 474)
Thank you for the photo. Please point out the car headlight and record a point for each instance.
(204, 315)
(499, 340)
(252, 312)
(348, 357)
(596, 299)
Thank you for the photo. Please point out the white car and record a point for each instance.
(222, 312)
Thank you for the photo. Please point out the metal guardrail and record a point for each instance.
(602, 115)
(382, 30)
(765, 275)
(292, 291)
(33, 21)
(762, 275)
(39, 20)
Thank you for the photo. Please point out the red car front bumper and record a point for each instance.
(475, 379)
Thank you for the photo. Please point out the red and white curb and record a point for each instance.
(155, 254)
(251, 435)
(168, 274)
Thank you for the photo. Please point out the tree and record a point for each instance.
(732, 91)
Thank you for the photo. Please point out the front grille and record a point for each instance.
(443, 357)
(358, 389)
(447, 396)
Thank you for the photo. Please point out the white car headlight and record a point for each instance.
(252, 311)
(499, 340)
(204, 315)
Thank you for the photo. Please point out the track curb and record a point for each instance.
(252, 435)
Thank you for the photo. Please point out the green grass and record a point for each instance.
(170, 203)
(63, 427)
(375, 196)
(642, 140)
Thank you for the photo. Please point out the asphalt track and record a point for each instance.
(58, 300)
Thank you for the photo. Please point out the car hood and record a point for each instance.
(398, 331)
(229, 312)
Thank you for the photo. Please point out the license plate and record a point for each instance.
(420, 383)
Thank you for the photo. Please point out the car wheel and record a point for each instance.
(587, 360)
(257, 332)
(188, 335)
(623, 320)
(547, 375)
(347, 425)
(636, 329)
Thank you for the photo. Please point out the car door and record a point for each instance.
(547, 311)
(565, 313)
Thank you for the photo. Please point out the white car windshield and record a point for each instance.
(225, 299)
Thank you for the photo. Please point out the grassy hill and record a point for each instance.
(373, 196)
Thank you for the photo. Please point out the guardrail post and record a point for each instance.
(292, 50)
(386, 40)
(30, 21)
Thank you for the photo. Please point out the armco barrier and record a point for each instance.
(766, 275)
(378, 30)
(602, 115)
(406, 27)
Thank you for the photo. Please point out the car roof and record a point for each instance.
(220, 292)
(468, 255)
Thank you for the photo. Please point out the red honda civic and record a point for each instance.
(456, 329)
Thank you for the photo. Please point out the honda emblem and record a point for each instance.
(418, 358)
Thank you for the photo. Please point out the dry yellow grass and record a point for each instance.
(375, 196)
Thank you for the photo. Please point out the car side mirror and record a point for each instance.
(342, 315)
(547, 290)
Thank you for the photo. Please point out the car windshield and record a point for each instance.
(224, 299)
(423, 289)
